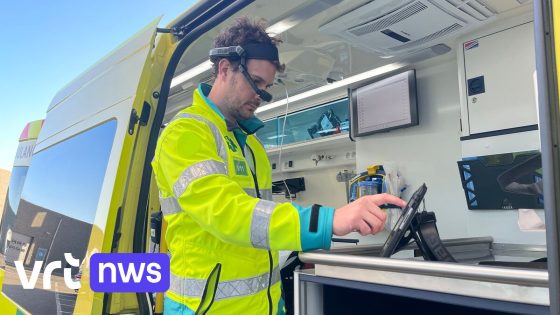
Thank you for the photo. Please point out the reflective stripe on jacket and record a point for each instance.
(210, 201)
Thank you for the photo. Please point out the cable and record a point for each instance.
(282, 137)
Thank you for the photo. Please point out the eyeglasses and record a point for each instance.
(264, 95)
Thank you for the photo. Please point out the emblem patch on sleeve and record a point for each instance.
(240, 167)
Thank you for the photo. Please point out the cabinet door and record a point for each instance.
(505, 61)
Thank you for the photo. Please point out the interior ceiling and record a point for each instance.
(311, 58)
(303, 38)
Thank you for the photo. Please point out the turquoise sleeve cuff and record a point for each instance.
(321, 238)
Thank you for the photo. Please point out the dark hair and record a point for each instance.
(245, 31)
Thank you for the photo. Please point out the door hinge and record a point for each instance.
(117, 232)
(142, 119)
(176, 31)
(145, 116)
(133, 121)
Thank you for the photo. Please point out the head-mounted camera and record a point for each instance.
(242, 53)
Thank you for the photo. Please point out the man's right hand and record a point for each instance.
(364, 215)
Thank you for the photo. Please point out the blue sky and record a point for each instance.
(46, 44)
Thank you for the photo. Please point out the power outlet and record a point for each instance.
(289, 164)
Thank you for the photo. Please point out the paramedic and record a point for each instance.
(214, 177)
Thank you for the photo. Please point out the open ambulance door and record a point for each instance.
(81, 191)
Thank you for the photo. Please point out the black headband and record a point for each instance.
(261, 51)
(248, 51)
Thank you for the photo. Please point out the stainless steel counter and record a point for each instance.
(466, 278)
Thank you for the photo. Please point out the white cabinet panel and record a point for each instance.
(505, 61)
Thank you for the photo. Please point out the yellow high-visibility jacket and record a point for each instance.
(223, 231)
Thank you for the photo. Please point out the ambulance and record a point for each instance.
(27, 141)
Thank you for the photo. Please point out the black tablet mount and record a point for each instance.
(419, 226)
(424, 231)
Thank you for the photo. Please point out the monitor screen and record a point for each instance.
(384, 104)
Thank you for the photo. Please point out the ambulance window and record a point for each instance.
(14, 188)
(56, 213)
(67, 177)
(317, 122)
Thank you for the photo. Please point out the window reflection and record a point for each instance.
(56, 211)
(17, 179)
(67, 177)
(15, 186)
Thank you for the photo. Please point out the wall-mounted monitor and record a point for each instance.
(383, 104)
